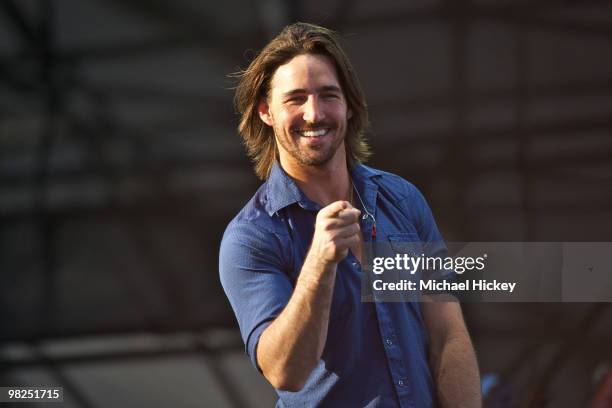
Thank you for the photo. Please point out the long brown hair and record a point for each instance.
(254, 84)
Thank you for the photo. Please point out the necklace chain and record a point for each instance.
(353, 188)
(367, 213)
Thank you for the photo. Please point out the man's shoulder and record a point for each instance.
(254, 217)
(255, 209)
(254, 236)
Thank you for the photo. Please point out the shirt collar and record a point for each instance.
(282, 190)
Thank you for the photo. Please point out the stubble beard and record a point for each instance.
(300, 156)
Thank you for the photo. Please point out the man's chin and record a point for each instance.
(316, 161)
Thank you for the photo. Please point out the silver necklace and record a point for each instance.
(365, 210)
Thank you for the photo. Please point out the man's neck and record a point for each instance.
(323, 184)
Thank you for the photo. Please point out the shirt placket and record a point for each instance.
(395, 357)
(389, 338)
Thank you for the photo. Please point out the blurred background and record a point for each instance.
(120, 167)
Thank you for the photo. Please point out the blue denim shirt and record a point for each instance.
(376, 353)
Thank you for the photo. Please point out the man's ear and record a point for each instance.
(264, 112)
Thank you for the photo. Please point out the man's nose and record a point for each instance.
(312, 110)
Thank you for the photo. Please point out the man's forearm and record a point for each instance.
(455, 370)
(292, 345)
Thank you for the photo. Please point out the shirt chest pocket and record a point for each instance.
(407, 247)
(405, 243)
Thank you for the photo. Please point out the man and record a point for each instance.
(290, 262)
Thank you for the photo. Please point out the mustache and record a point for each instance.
(313, 127)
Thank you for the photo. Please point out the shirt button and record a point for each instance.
(389, 342)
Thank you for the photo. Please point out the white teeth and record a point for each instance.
(314, 133)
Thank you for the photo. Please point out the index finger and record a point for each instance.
(349, 215)
(334, 208)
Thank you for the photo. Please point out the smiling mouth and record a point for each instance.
(313, 133)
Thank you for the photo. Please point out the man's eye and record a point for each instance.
(331, 96)
(295, 100)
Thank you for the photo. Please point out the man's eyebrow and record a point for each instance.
(325, 88)
(330, 88)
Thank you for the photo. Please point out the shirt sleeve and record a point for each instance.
(251, 272)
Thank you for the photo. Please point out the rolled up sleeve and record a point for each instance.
(252, 276)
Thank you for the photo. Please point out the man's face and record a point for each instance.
(307, 110)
